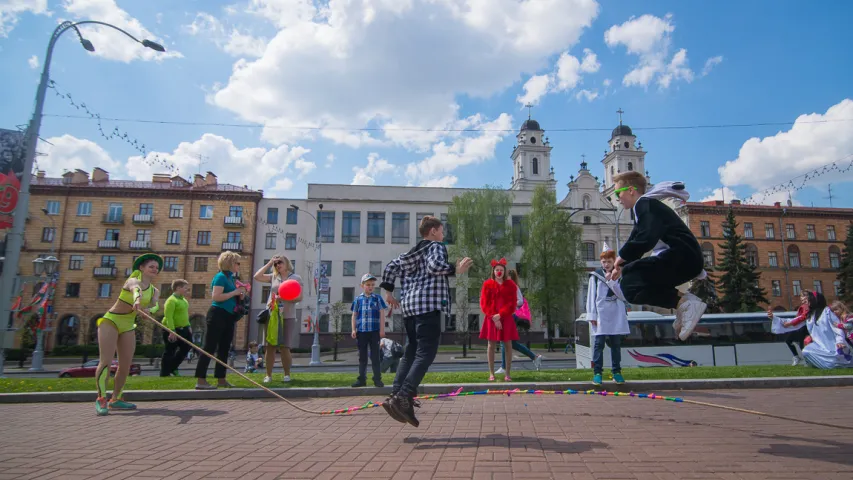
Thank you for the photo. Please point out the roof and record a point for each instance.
(775, 208)
(530, 124)
(621, 130)
(135, 184)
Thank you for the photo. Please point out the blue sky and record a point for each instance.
(405, 67)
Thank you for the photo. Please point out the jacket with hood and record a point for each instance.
(423, 273)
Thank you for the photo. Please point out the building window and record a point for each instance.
(146, 209)
(290, 241)
(114, 213)
(535, 166)
(810, 232)
(837, 286)
(104, 290)
(376, 269)
(448, 229)
(797, 288)
(793, 256)
(112, 234)
(752, 255)
(272, 216)
(165, 290)
(747, 230)
(108, 261)
(52, 207)
(269, 241)
(587, 220)
(143, 235)
(291, 216)
(817, 286)
(72, 290)
(173, 237)
(326, 268)
(348, 295)
(815, 259)
(48, 234)
(205, 211)
(772, 259)
(518, 232)
(170, 264)
(790, 232)
(176, 211)
(351, 227)
(588, 251)
(834, 257)
(768, 231)
(235, 211)
(81, 235)
(399, 228)
(76, 262)
(349, 268)
(375, 227)
(198, 290)
(265, 293)
(203, 238)
(84, 209)
(233, 237)
(327, 226)
(705, 229)
(200, 264)
(498, 228)
(776, 286)
(830, 232)
(708, 254)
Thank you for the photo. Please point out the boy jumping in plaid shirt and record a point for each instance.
(368, 325)
(423, 272)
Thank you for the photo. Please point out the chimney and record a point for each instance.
(66, 177)
(198, 180)
(79, 177)
(719, 202)
(210, 179)
(735, 202)
(40, 174)
(161, 178)
(778, 204)
(100, 175)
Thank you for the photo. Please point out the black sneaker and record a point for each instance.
(390, 411)
(359, 383)
(405, 408)
(378, 383)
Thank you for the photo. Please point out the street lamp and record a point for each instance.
(43, 266)
(315, 347)
(16, 235)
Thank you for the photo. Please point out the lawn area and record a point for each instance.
(12, 385)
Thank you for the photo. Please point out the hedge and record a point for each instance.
(16, 354)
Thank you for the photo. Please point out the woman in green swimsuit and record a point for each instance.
(116, 330)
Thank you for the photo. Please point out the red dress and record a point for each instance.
(499, 298)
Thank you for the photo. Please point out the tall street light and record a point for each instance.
(16, 235)
(315, 347)
(49, 266)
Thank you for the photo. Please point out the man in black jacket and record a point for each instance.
(676, 258)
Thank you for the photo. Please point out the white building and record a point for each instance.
(364, 227)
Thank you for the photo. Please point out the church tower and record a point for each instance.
(531, 158)
(624, 154)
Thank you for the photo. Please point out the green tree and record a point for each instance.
(739, 279)
(551, 259)
(845, 273)
(478, 230)
(706, 290)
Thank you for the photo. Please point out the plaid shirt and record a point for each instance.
(423, 272)
(367, 309)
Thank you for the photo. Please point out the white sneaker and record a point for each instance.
(267, 379)
(795, 361)
(537, 362)
(693, 308)
(286, 378)
(500, 371)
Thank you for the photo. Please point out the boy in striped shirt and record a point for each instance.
(368, 326)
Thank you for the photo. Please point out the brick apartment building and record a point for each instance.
(97, 227)
(794, 247)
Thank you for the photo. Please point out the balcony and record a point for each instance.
(232, 246)
(112, 219)
(143, 219)
(234, 222)
(108, 244)
(140, 245)
(105, 272)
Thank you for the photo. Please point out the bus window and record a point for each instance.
(582, 332)
(712, 334)
(649, 335)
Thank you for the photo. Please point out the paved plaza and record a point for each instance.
(480, 437)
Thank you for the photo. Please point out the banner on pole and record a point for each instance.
(12, 153)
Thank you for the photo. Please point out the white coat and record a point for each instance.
(610, 313)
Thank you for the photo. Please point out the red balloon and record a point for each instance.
(289, 290)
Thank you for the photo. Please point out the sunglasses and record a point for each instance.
(623, 189)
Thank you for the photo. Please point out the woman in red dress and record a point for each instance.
(498, 302)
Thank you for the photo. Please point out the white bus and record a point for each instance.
(725, 339)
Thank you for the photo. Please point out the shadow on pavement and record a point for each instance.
(499, 440)
(184, 415)
(822, 450)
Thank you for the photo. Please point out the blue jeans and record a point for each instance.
(423, 334)
(615, 344)
(516, 345)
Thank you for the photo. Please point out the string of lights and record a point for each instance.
(838, 167)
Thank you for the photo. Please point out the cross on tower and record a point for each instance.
(620, 112)
(529, 106)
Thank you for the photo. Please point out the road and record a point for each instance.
(477, 437)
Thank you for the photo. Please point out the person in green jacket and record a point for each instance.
(176, 317)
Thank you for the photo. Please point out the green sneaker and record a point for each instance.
(596, 379)
(101, 406)
(176, 374)
(120, 404)
(618, 378)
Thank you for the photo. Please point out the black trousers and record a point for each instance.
(369, 340)
(423, 333)
(798, 337)
(652, 280)
(175, 352)
(217, 340)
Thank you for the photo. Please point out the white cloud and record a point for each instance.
(606, 82)
(234, 43)
(813, 141)
(446, 181)
(330, 159)
(375, 166)
(724, 193)
(568, 72)
(711, 63)
(588, 95)
(109, 43)
(33, 62)
(566, 76)
(650, 38)
(11, 9)
(344, 64)
(590, 62)
(304, 167)
(534, 89)
(70, 153)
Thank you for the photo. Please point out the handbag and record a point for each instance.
(396, 350)
(264, 317)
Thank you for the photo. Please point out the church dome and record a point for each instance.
(622, 130)
(530, 124)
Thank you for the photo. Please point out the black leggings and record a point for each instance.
(798, 337)
(217, 340)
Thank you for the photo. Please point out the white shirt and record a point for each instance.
(610, 313)
(385, 345)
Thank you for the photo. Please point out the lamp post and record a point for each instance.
(44, 266)
(16, 234)
(315, 347)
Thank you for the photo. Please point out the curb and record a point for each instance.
(330, 392)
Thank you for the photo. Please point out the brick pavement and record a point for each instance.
(525, 437)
